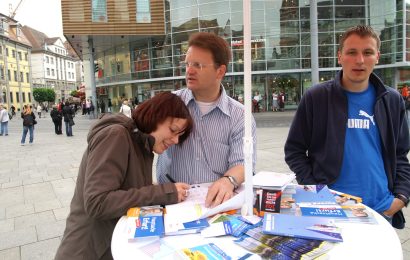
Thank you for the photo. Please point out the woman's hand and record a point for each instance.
(183, 190)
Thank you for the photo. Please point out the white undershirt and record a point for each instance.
(205, 107)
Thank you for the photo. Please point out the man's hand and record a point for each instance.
(220, 191)
(394, 207)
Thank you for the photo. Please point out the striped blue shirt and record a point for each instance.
(214, 146)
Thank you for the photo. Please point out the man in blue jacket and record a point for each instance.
(351, 133)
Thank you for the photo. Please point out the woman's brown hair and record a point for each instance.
(156, 110)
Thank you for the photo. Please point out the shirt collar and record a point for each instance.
(222, 103)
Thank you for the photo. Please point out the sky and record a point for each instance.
(42, 15)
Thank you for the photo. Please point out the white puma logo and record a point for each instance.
(363, 113)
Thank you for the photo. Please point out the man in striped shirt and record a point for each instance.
(214, 150)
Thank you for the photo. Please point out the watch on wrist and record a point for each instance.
(402, 198)
(233, 181)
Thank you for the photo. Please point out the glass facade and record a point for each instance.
(280, 42)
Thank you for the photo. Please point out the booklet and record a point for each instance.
(145, 222)
(303, 227)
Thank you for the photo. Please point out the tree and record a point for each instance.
(44, 94)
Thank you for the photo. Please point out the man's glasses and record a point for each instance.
(196, 65)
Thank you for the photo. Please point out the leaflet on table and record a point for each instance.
(303, 227)
(272, 180)
(206, 251)
(281, 247)
(193, 207)
(322, 210)
(145, 222)
(318, 194)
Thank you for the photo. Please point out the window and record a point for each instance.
(24, 97)
(28, 77)
(11, 96)
(21, 77)
(13, 53)
(29, 97)
(8, 75)
(52, 72)
(1, 47)
(48, 71)
(143, 14)
(26, 56)
(7, 52)
(1, 72)
(4, 97)
(52, 60)
(15, 76)
(47, 59)
(99, 11)
(17, 97)
(20, 56)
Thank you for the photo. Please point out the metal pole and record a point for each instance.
(314, 43)
(247, 140)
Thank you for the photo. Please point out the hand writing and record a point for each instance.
(183, 190)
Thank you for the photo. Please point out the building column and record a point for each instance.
(89, 77)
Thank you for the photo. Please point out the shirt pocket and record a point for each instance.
(217, 155)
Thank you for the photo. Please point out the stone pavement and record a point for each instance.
(37, 182)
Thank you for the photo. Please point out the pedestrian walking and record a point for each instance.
(125, 109)
(57, 118)
(39, 109)
(4, 121)
(68, 115)
(109, 106)
(29, 120)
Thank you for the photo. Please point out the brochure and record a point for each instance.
(301, 226)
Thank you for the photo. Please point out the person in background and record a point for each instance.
(4, 120)
(13, 110)
(68, 115)
(405, 91)
(214, 151)
(275, 106)
(39, 109)
(28, 124)
(57, 118)
(109, 106)
(102, 106)
(125, 109)
(115, 173)
(351, 133)
(256, 102)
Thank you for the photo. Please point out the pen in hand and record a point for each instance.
(170, 178)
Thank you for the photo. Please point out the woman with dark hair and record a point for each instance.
(28, 124)
(115, 173)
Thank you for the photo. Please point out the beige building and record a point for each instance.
(15, 67)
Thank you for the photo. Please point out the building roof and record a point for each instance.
(36, 38)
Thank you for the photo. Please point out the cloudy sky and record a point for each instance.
(42, 15)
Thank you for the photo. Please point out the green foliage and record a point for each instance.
(44, 94)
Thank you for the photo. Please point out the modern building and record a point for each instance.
(52, 66)
(15, 67)
(138, 46)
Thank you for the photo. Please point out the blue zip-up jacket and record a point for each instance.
(315, 144)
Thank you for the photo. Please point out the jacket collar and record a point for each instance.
(381, 89)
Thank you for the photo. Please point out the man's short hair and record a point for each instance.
(362, 31)
(216, 45)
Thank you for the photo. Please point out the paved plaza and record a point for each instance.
(37, 181)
